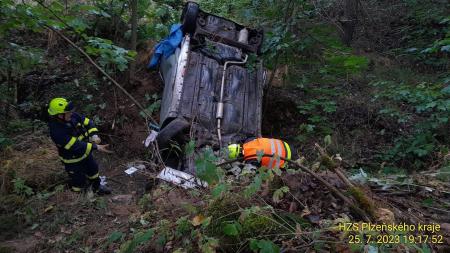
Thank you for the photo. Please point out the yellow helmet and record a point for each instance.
(234, 150)
(58, 106)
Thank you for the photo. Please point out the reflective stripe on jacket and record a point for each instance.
(271, 149)
(71, 138)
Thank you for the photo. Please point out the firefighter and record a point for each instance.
(270, 149)
(76, 138)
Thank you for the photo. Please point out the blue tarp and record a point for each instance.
(167, 46)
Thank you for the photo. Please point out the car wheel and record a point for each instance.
(170, 131)
(189, 17)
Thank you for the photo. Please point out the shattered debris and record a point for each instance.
(180, 178)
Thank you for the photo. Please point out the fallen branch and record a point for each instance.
(364, 201)
(336, 191)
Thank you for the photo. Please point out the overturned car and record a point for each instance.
(213, 92)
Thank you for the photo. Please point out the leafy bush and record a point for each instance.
(159, 15)
(206, 168)
(109, 54)
(426, 39)
(427, 107)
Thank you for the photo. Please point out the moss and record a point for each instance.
(363, 201)
(222, 210)
(227, 204)
(259, 224)
(328, 162)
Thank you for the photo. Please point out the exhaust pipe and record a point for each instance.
(219, 112)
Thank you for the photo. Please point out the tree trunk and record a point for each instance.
(349, 20)
(133, 34)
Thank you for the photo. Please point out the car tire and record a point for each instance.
(170, 131)
(189, 17)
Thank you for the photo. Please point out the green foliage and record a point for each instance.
(77, 18)
(264, 246)
(145, 203)
(344, 64)
(21, 188)
(4, 141)
(206, 168)
(254, 187)
(20, 59)
(155, 104)
(318, 111)
(139, 238)
(219, 190)
(17, 17)
(425, 104)
(15, 62)
(426, 39)
(183, 227)
(208, 244)
(263, 175)
(109, 54)
(159, 16)
(189, 148)
(279, 193)
(232, 229)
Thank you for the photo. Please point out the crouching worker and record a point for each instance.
(269, 148)
(76, 137)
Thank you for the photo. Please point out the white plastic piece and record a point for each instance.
(95, 139)
(131, 170)
(150, 138)
(428, 189)
(180, 178)
(103, 180)
(140, 166)
(360, 177)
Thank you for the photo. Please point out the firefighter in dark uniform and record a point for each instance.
(76, 138)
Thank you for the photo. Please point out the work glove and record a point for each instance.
(95, 139)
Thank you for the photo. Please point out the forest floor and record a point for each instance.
(63, 221)
(57, 220)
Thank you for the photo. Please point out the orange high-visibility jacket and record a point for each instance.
(271, 147)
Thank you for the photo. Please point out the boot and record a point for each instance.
(103, 190)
